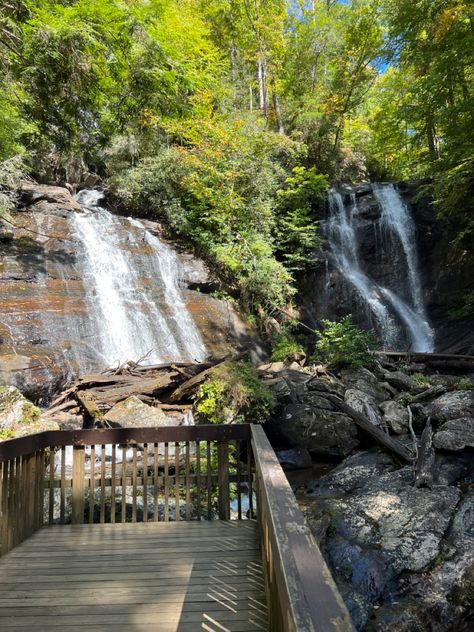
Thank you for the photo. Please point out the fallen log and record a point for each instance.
(424, 468)
(390, 444)
(190, 385)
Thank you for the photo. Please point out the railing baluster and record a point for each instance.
(134, 484)
(187, 483)
(238, 447)
(198, 479)
(124, 485)
(155, 482)
(223, 479)
(209, 480)
(166, 474)
(145, 482)
(113, 475)
(4, 508)
(249, 475)
(51, 486)
(62, 491)
(78, 460)
(176, 478)
(102, 484)
(92, 485)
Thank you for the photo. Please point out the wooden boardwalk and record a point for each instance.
(165, 577)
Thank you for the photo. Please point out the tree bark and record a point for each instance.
(276, 106)
(392, 445)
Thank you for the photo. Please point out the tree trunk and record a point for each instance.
(276, 106)
(262, 86)
(433, 146)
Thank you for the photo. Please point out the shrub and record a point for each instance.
(343, 343)
(464, 384)
(420, 379)
(285, 346)
(233, 393)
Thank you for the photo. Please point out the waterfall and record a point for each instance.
(394, 316)
(396, 218)
(343, 242)
(132, 289)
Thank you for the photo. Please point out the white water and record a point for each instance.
(393, 316)
(121, 286)
(342, 239)
(397, 219)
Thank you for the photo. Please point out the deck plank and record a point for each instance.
(165, 577)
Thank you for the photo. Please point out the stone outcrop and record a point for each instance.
(446, 271)
(19, 417)
(46, 335)
(386, 541)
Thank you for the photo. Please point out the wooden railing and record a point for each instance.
(123, 475)
(174, 473)
(301, 593)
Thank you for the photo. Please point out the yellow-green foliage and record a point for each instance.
(285, 346)
(233, 393)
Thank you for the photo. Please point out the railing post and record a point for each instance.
(223, 479)
(78, 485)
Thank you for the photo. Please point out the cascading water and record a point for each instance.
(398, 313)
(131, 278)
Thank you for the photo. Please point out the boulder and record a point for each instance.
(453, 405)
(455, 434)
(318, 430)
(133, 413)
(364, 380)
(295, 459)
(364, 404)
(327, 384)
(15, 409)
(6, 233)
(19, 417)
(45, 198)
(402, 382)
(395, 416)
(379, 529)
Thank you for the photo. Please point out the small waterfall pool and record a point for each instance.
(394, 306)
(131, 278)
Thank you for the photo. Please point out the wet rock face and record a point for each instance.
(445, 272)
(387, 541)
(47, 334)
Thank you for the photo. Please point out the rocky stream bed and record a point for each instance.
(401, 552)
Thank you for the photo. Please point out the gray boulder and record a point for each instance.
(453, 405)
(319, 430)
(395, 416)
(364, 404)
(455, 434)
(402, 382)
(133, 413)
(364, 380)
(295, 459)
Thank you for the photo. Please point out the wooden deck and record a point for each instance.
(165, 577)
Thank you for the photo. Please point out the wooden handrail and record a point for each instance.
(301, 592)
(109, 475)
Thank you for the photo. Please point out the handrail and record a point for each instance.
(301, 592)
(22, 446)
(121, 475)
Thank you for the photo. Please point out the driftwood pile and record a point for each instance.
(168, 386)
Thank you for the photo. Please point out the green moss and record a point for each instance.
(420, 379)
(464, 384)
(285, 346)
(233, 393)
